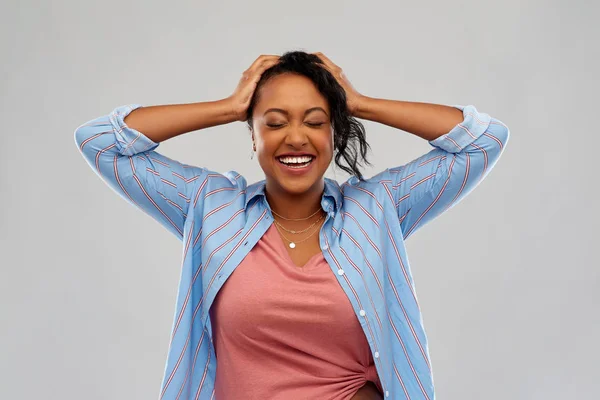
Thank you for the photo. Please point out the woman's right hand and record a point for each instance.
(240, 99)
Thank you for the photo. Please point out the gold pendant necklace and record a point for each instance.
(296, 219)
(296, 232)
(293, 244)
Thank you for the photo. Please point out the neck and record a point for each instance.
(294, 205)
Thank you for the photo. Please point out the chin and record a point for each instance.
(298, 185)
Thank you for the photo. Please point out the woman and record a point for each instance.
(300, 287)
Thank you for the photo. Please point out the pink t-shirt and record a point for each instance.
(284, 332)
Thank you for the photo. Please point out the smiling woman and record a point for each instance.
(296, 286)
(318, 101)
(297, 161)
(282, 135)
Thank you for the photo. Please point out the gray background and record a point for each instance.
(508, 280)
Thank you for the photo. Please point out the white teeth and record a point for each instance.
(295, 160)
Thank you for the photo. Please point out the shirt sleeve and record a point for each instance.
(125, 160)
(435, 182)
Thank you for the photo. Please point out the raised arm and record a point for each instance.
(120, 148)
(467, 145)
(125, 158)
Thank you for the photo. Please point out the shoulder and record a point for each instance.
(376, 187)
(374, 183)
(221, 180)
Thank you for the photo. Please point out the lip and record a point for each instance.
(296, 171)
(295, 155)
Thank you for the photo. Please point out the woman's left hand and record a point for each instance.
(353, 98)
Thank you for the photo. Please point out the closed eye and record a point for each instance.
(308, 123)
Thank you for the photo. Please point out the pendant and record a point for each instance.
(292, 245)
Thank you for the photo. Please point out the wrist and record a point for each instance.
(230, 111)
(362, 106)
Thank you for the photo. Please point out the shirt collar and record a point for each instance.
(331, 193)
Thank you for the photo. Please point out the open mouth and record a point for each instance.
(296, 162)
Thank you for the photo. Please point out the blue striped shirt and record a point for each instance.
(219, 218)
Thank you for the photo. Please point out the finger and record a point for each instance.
(261, 59)
(259, 66)
(326, 60)
(262, 67)
(331, 67)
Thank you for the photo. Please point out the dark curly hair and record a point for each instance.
(349, 136)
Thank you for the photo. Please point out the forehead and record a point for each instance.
(290, 91)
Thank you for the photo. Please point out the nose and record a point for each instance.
(296, 138)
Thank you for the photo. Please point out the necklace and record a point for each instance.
(296, 219)
(293, 244)
(296, 232)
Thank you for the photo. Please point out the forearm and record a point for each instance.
(163, 122)
(428, 121)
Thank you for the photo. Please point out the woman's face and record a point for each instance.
(292, 133)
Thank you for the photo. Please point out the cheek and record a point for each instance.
(267, 149)
(263, 145)
(324, 144)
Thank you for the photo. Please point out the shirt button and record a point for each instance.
(362, 313)
(332, 214)
(325, 247)
(387, 394)
(376, 354)
(340, 272)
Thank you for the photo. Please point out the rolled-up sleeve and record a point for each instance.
(435, 182)
(129, 141)
(465, 133)
(126, 160)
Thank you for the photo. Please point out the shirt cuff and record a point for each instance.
(463, 134)
(128, 140)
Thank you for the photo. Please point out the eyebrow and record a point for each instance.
(286, 113)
